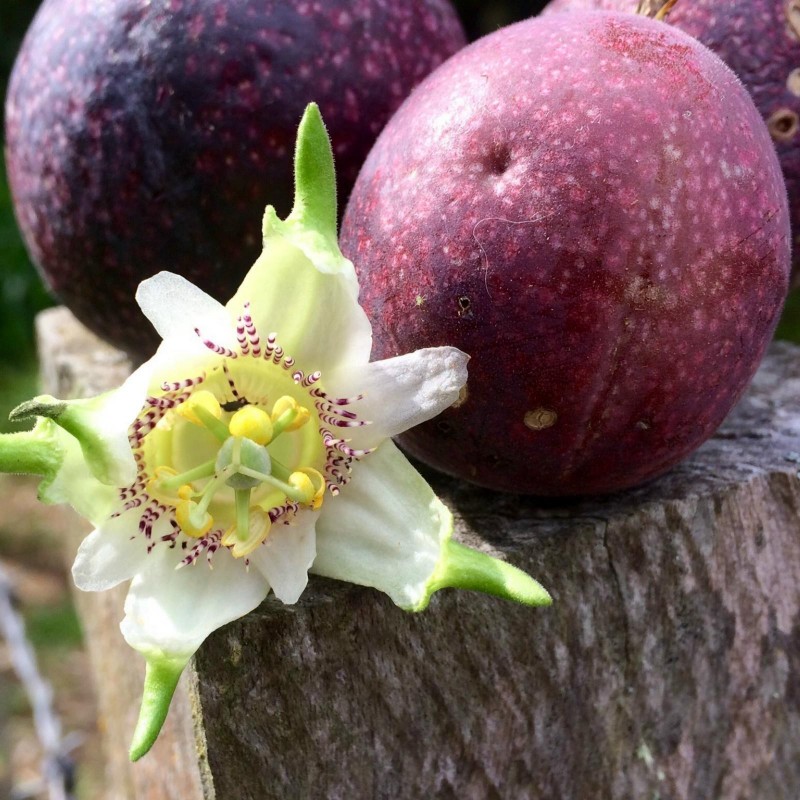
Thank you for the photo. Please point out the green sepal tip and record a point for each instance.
(314, 175)
(78, 418)
(464, 568)
(311, 225)
(160, 681)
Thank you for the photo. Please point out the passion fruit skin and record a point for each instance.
(760, 41)
(589, 205)
(145, 135)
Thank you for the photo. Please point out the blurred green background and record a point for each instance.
(21, 291)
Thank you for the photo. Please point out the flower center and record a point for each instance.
(224, 469)
(226, 455)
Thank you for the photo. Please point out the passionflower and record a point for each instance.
(254, 447)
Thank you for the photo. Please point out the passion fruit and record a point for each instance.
(589, 204)
(149, 134)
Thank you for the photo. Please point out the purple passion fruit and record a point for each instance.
(589, 204)
(149, 134)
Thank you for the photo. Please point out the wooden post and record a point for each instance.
(668, 666)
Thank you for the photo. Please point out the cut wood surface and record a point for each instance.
(667, 667)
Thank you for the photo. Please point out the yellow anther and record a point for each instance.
(287, 403)
(185, 515)
(302, 417)
(201, 399)
(243, 545)
(310, 484)
(185, 492)
(253, 423)
(319, 486)
(282, 405)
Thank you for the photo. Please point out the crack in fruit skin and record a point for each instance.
(624, 272)
(144, 134)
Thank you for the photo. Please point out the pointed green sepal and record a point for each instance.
(160, 681)
(78, 418)
(42, 406)
(314, 175)
(463, 568)
(34, 452)
(311, 226)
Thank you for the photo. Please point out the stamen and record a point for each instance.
(174, 481)
(244, 540)
(292, 492)
(204, 400)
(203, 409)
(312, 485)
(242, 514)
(287, 415)
(194, 520)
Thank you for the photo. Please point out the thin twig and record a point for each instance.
(657, 9)
(57, 767)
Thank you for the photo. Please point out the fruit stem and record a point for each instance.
(657, 9)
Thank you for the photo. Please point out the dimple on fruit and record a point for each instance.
(590, 206)
(149, 134)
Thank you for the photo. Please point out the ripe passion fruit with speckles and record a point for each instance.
(144, 135)
(760, 41)
(606, 234)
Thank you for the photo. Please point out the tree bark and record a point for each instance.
(667, 667)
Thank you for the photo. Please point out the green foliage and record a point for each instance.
(789, 327)
(22, 295)
(21, 290)
(50, 627)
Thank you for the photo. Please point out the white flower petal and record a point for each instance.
(399, 393)
(176, 307)
(285, 558)
(172, 611)
(75, 484)
(315, 314)
(109, 416)
(109, 555)
(386, 529)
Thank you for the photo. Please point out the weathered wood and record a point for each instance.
(668, 666)
(76, 364)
